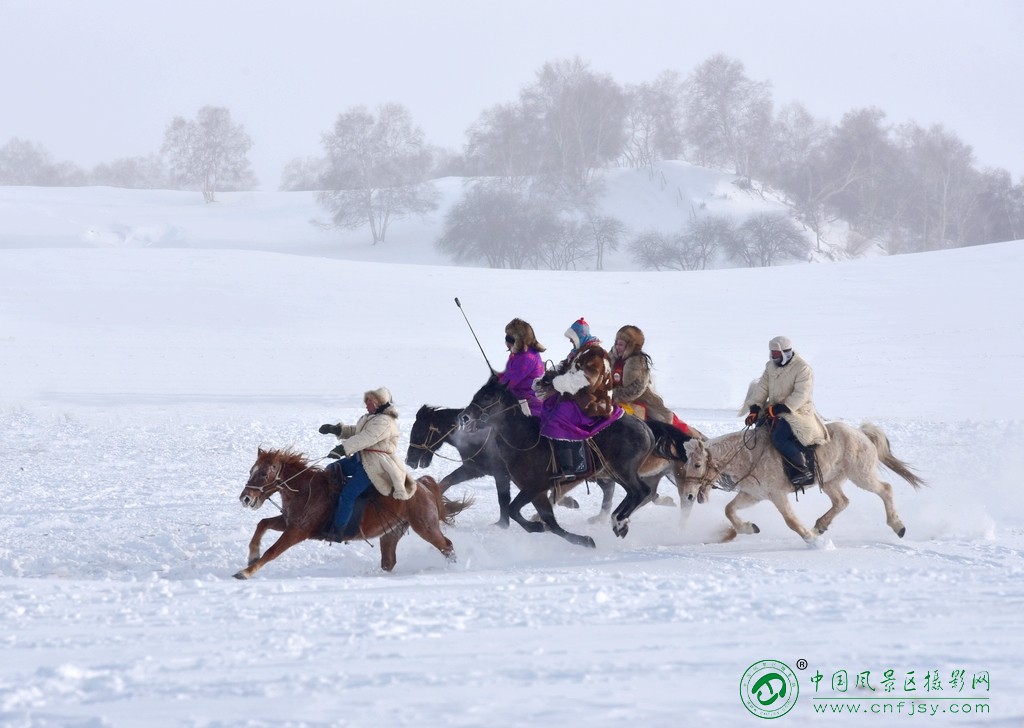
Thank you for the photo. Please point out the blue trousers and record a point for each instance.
(357, 482)
(787, 444)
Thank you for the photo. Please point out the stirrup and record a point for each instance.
(800, 479)
(330, 535)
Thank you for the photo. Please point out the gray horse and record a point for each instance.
(752, 468)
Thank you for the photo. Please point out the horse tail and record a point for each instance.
(881, 442)
(447, 508)
(453, 508)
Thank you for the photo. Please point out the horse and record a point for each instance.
(308, 499)
(437, 426)
(626, 454)
(753, 467)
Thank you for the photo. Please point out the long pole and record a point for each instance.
(474, 334)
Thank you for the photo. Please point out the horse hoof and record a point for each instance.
(754, 528)
(501, 523)
(588, 542)
(241, 575)
(569, 502)
(901, 532)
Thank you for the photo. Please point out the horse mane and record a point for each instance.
(669, 440)
(288, 456)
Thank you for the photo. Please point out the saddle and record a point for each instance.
(798, 477)
(571, 460)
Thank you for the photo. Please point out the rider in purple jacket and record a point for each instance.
(524, 363)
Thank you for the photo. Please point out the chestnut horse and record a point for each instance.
(308, 498)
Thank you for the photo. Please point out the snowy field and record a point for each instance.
(139, 382)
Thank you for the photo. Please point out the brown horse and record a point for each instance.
(308, 497)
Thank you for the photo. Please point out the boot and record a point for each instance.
(798, 472)
(567, 460)
(351, 529)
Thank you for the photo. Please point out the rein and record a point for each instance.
(748, 442)
(505, 439)
(270, 488)
(441, 441)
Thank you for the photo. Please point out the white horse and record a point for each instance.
(754, 467)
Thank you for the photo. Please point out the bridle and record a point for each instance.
(431, 444)
(268, 489)
(486, 414)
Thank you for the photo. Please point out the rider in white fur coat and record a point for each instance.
(784, 393)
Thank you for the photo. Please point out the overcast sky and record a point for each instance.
(95, 81)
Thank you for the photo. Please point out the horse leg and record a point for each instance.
(460, 475)
(275, 523)
(658, 500)
(504, 486)
(389, 547)
(620, 525)
(428, 528)
(872, 483)
(636, 496)
(288, 538)
(834, 490)
(547, 515)
(781, 501)
(514, 512)
(685, 508)
(607, 486)
(743, 499)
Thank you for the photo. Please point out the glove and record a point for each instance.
(337, 452)
(330, 430)
(752, 417)
(778, 409)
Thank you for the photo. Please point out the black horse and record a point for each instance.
(627, 450)
(437, 426)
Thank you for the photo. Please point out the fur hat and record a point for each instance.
(381, 394)
(522, 332)
(633, 337)
(578, 333)
(780, 343)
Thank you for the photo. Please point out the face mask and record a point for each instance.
(782, 358)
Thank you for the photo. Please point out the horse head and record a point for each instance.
(696, 475)
(424, 438)
(264, 480)
(490, 400)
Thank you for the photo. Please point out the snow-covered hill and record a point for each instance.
(664, 199)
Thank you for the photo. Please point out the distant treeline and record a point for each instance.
(532, 161)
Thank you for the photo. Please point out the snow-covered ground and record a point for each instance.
(139, 381)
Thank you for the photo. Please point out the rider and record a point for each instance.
(577, 402)
(368, 456)
(524, 364)
(783, 394)
(631, 377)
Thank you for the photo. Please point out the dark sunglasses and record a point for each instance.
(510, 339)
